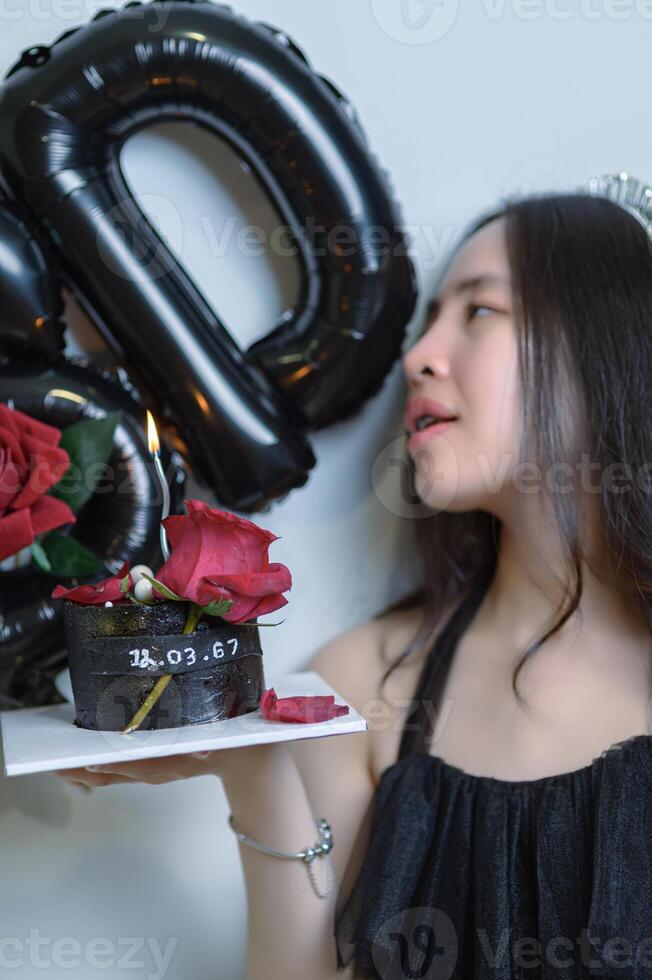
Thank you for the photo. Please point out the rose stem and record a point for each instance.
(194, 615)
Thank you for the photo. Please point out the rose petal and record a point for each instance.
(200, 506)
(9, 422)
(49, 513)
(11, 478)
(276, 578)
(11, 442)
(47, 464)
(108, 590)
(16, 533)
(244, 607)
(300, 708)
(22, 423)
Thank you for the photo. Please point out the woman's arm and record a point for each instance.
(275, 792)
(290, 929)
(276, 798)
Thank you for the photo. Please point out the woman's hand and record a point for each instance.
(165, 769)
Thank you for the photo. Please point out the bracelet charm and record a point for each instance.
(320, 849)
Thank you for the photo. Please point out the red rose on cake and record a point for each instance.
(31, 462)
(218, 556)
(218, 566)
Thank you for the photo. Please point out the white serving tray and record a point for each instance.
(44, 739)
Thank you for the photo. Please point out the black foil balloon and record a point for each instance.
(120, 522)
(65, 112)
(32, 302)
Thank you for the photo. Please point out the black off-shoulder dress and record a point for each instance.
(471, 877)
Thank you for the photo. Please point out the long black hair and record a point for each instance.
(581, 270)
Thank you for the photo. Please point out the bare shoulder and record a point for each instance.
(400, 660)
(375, 667)
(354, 662)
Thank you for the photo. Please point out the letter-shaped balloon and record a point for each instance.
(120, 522)
(32, 304)
(65, 112)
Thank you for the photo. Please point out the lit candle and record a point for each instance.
(155, 449)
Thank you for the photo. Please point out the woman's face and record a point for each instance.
(470, 357)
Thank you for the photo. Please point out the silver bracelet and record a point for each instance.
(320, 849)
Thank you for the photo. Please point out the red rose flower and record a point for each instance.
(108, 590)
(216, 555)
(30, 463)
(301, 708)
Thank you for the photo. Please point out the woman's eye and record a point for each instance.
(474, 307)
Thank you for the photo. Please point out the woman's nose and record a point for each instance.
(422, 360)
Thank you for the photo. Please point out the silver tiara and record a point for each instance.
(631, 193)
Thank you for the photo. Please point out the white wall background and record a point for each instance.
(461, 106)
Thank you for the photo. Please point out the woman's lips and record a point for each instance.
(418, 438)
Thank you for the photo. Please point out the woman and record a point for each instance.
(521, 848)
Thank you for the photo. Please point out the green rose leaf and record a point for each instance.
(260, 625)
(39, 557)
(163, 589)
(68, 557)
(218, 607)
(89, 443)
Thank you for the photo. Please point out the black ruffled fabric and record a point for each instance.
(459, 868)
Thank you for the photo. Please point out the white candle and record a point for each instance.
(155, 449)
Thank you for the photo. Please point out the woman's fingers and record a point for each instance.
(169, 766)
(157, 770)
(76, 782)
(89, 780)
(138, 770)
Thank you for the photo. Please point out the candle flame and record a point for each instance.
(152, 434)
